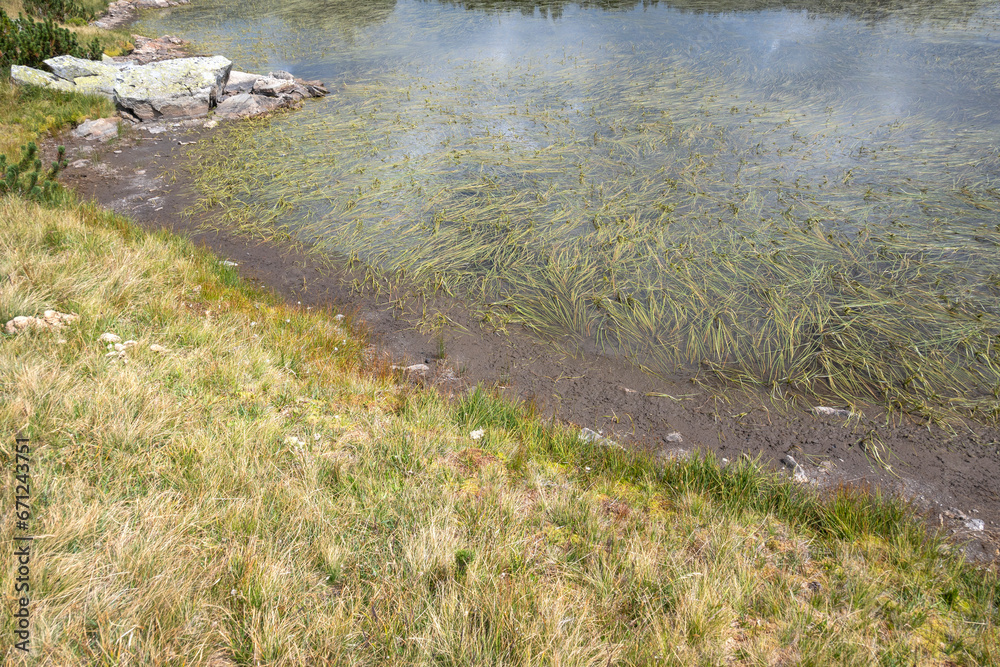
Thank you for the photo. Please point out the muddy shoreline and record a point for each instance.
(940, 472)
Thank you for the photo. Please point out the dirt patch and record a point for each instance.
(946, 476)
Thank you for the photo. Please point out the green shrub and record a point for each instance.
(27, 178)
(27, 42)
(58, 10)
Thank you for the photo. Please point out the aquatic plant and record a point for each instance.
(696, 215)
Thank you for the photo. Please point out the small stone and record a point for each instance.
(211, 124)
(831, 412)
(19, 323)
(798, 473)
(101, 130)
(587, 435)
(954, 513)
(673, 437)
(159, 349)
(281, 74)
(109, 337)
(975, 524)
(477, 434)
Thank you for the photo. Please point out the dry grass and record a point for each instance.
(259, 495)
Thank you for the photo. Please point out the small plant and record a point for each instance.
(27, 42)
(27, 178)
(462, 559)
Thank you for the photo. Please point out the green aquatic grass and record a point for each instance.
(693, 216)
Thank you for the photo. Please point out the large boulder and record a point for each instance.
(172, 89)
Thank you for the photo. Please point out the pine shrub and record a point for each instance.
(27, 178)
(58, 10)
(24, 41)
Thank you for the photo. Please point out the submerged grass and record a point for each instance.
(265, 493)
(704, 216)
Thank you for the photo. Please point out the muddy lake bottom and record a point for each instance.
(141, 177)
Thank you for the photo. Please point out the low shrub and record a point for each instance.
(58, 10)
(27, 178)
(24, 41)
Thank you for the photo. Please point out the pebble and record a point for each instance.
(831, 412)
(798, 473)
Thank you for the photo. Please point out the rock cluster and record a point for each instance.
(149, 50)
(167, 89)
(50, 318)
(249, 95)
(174, 89)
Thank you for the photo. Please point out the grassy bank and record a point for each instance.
(263, 492)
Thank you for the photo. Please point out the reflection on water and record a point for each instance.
(686, 182)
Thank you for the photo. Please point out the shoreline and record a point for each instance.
(945, 476)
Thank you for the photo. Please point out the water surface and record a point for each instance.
(801, 194)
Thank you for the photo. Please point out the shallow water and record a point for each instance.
(685, 183)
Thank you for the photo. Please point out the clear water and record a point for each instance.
(554, 161)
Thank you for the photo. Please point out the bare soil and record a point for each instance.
(950, 477)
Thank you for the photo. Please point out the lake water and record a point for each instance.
(794, 194)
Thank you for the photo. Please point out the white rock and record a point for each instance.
(831, 412)
(975, 524)
(101, 129)
(587, 435)
(674, 437)
(159, 349)
(109, 337)
(477, 434)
